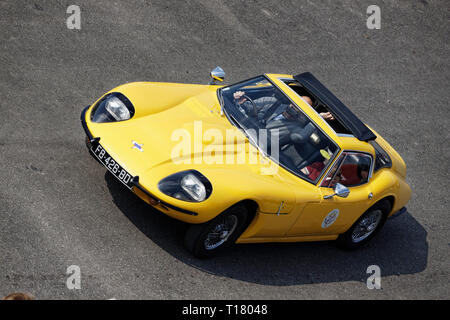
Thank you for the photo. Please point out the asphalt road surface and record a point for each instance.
(58, 207)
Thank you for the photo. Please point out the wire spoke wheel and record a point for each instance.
(221, 232)
(208, 239)
(367, 226)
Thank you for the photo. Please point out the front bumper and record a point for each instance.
(143, 193)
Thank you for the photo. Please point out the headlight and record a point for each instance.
(117, 109)
(193, 187)
(186, 185)
(111, 108)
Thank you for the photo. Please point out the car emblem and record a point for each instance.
(138, 146)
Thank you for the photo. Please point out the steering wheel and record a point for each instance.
(254, 111)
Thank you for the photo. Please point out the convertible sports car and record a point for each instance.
(277, 158)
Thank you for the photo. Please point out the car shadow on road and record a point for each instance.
(400, 248)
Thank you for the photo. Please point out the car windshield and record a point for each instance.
(278, 128)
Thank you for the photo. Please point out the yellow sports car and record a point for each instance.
(276, 158)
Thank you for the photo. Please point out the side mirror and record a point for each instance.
(217, 74)
(339, 190)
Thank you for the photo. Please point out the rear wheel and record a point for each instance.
(209, 238)
(366, 227)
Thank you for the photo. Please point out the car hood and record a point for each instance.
(171, 125)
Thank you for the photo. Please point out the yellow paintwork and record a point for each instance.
(162, 108)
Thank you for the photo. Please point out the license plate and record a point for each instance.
(112, 165)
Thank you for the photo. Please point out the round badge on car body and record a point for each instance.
(330, 218)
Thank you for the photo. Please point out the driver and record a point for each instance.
(245, 105)
(286, 115)
(263, 104)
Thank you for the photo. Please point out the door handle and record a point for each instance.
(279, 209)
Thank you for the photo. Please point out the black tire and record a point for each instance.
(196, 236)
(349, 239)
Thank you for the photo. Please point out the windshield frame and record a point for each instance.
(232, 120)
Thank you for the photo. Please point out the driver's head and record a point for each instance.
(308, 100)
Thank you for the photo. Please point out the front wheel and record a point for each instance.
(209, 238)
(365, 227)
